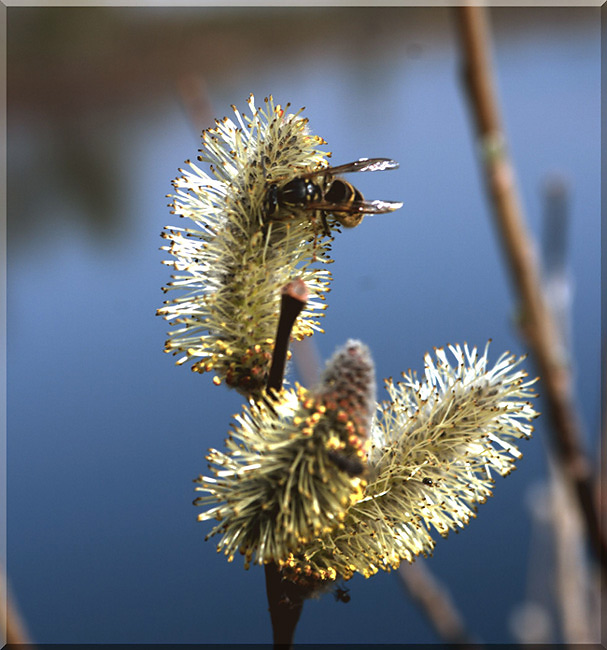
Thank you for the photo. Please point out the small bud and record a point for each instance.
(349, 380)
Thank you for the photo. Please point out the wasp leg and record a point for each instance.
(325, 225)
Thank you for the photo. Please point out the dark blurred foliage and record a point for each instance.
(72, 71)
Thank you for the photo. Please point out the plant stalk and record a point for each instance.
(285, 598)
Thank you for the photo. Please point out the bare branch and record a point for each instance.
(539, 328)
(435, 602)
(285, 599)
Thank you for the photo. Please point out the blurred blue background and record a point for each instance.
(105, 433)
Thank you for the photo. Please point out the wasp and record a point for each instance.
(342, 595)
(321, 191)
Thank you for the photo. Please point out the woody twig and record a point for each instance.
(285, 599)
(538, 326)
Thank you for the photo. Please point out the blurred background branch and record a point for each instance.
(538, 325)
(434, 600)
(574, 588)
(14, 627)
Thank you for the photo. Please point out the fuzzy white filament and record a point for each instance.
(231, 261)
(437, 444)
(293, 463)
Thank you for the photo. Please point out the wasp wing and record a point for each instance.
(356, 207)
(378, 207)
(360, 165)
